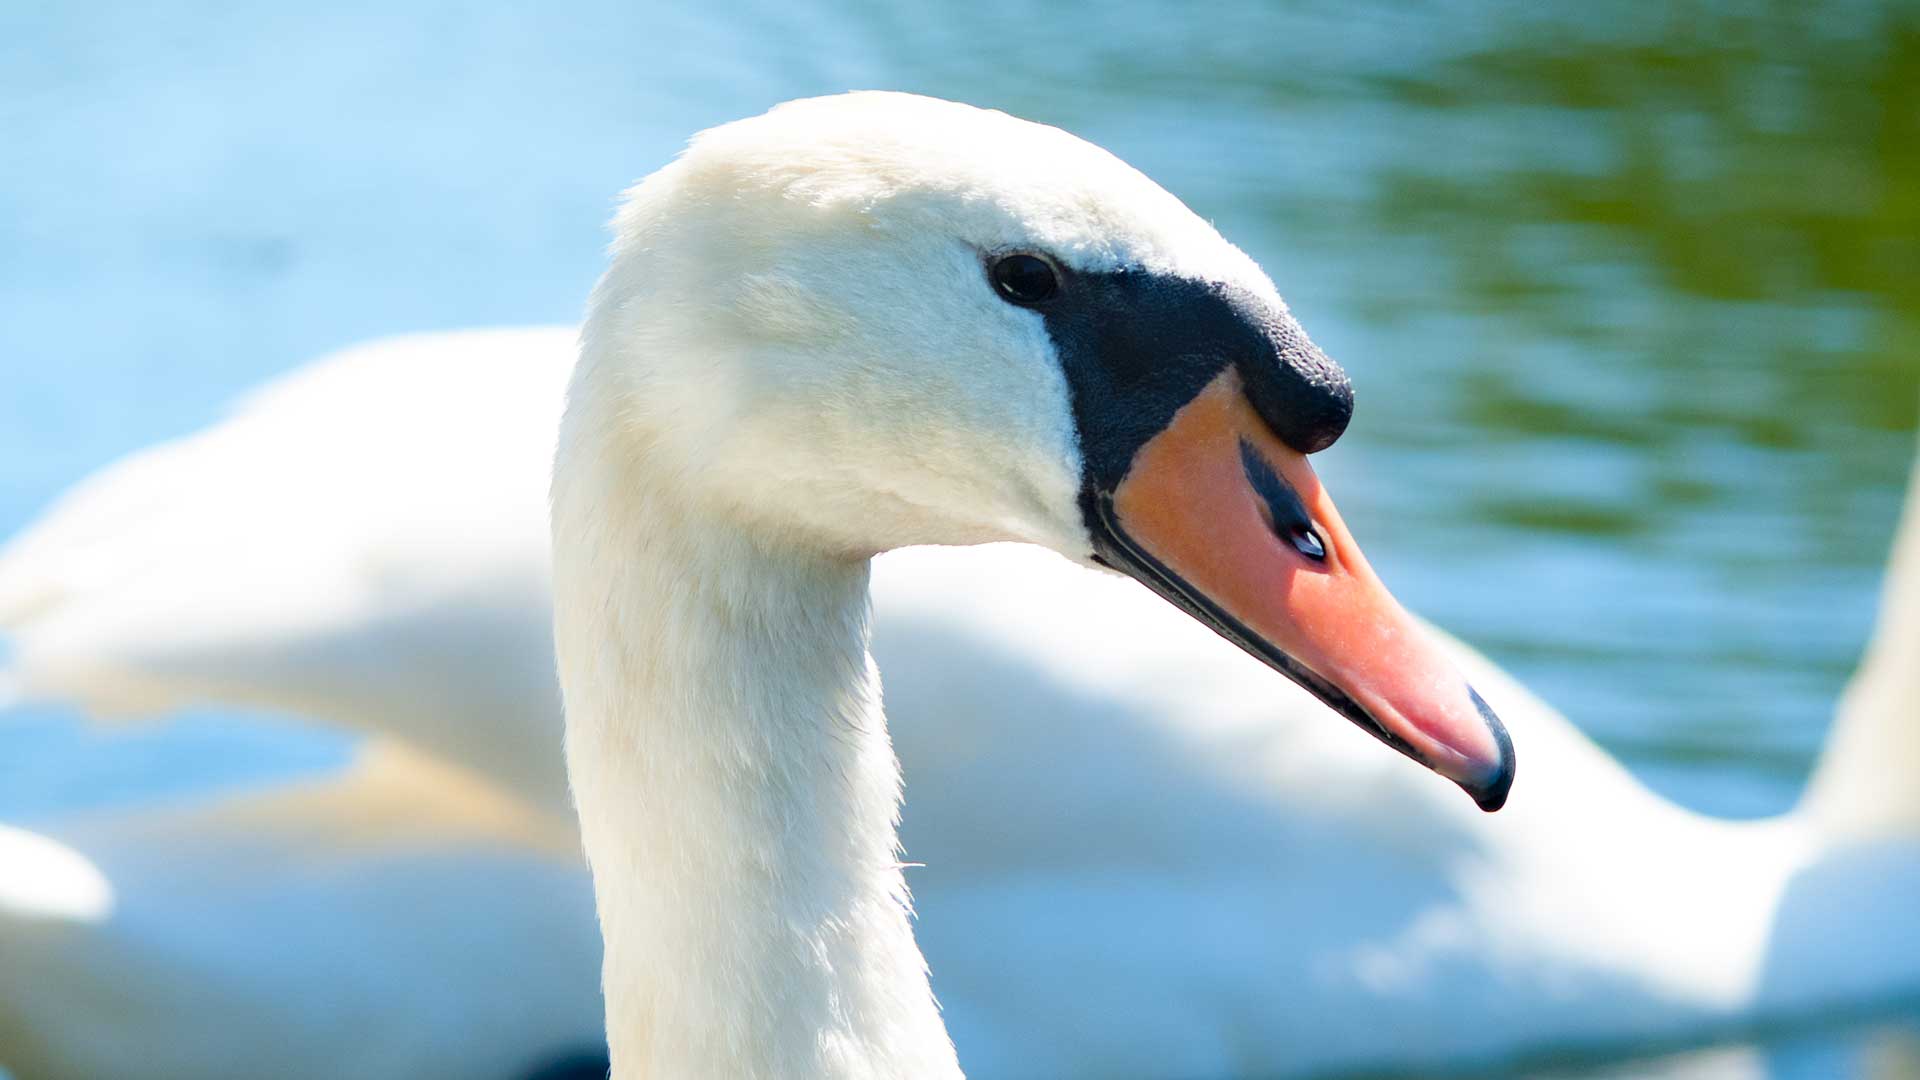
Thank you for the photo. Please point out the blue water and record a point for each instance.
(1628, 293)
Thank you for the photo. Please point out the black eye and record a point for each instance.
(1024, 279)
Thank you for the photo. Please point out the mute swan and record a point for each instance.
(399, 920)
(1216, 805)
(868, 322)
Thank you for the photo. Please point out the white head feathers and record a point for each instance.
(819, 267)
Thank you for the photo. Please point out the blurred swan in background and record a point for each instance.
(363, 541)
(1210, 889)
(398, 919)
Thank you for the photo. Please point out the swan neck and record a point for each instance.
(738, 796)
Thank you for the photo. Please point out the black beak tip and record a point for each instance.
(1491, 794)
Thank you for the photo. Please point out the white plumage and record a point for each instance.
(397, 920)
(1146, 855)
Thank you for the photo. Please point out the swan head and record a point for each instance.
(875, 320)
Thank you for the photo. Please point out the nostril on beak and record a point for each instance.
(1280, 506)
(1307, 542)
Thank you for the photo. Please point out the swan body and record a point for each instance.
(397, 920)
(1185, 813)
(1209, 889)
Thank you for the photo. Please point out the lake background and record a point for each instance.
(1631, 295)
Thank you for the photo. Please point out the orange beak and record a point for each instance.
(1219, 516)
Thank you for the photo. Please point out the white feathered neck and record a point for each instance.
(738, 788)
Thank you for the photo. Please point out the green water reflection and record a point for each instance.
(1638, 289)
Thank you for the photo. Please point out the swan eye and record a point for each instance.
(1024, 279)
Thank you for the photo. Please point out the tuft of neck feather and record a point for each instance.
(737, 790)
(1867, 785)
